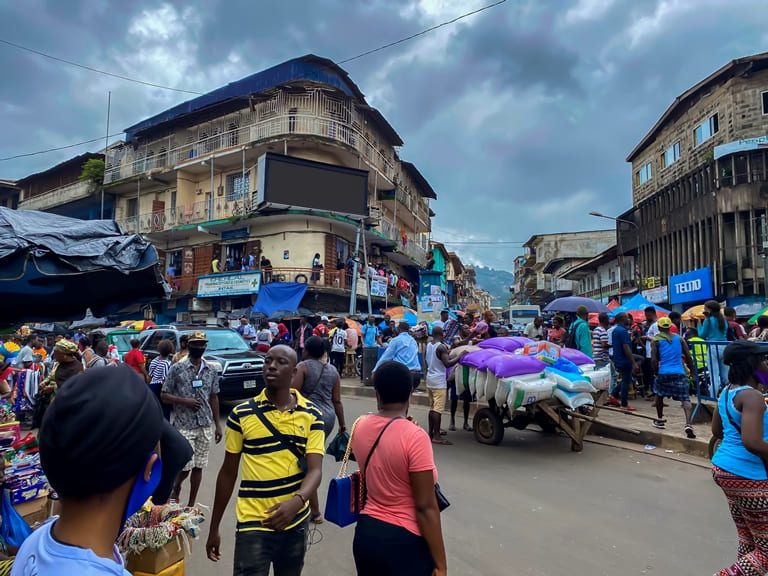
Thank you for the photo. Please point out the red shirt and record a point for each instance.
(674, 329)
(135, 359)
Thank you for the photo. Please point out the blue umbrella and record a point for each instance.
(571, 303)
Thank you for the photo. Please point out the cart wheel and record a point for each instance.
(488, 427)
(714, 444)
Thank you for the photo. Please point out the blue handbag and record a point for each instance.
(342, 506)
(346, 492)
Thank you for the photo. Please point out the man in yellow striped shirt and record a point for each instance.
(279, 437)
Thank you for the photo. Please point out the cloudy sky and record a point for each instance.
(520, 117)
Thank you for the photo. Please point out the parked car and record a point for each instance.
(239, 367)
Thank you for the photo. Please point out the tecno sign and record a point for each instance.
(688, 287)
(691, 286)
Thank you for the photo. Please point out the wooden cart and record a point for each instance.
(550, 415)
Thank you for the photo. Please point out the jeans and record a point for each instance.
(337, 361)
(612, 390)
(255, 550)
(626, 378)
(416, 378)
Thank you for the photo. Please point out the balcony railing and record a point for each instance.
(121, 164)
(58, 196)
(607, 290)
(411, 248)
(195, 213)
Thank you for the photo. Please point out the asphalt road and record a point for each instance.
(530, 506)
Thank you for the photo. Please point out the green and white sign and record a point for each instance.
(231, 284)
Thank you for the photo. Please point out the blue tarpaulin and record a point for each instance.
(279, 296)
(637, 302)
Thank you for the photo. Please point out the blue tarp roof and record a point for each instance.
(637, 302)
(309, 67)
(279, 296)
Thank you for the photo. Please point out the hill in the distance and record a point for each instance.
(496, 282)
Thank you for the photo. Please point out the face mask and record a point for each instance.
(196, 352)
(142, 490)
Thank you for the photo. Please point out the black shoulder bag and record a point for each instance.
(738, 428)
(301, 458)
(442, 501)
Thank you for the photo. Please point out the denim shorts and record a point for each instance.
(256, 550)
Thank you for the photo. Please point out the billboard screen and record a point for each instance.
(691, 286)
(287, 182)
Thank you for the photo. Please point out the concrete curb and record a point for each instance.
(662, 440)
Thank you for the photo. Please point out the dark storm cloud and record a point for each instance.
(520, 117)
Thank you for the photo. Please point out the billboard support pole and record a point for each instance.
(353, 294)
(367, 275)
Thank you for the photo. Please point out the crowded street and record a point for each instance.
(403, 288)
(531, 506)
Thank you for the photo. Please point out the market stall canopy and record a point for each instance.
(279, 296)
(54, 268)
(89, 321)
(402, 314)
(637, 302)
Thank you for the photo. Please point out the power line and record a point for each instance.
(59, 148)
(84, 67)
(361, 55)
(427, 31)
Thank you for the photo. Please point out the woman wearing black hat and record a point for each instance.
(740, 465)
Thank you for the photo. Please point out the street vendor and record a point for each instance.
(68, 364)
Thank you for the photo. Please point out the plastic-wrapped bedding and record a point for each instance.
(505, 343)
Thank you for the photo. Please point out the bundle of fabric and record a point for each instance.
(155, 526)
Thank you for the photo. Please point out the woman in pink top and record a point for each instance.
(400, 512)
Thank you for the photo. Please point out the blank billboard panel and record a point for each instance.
(287, 182)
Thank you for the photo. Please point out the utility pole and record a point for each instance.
(764, 227)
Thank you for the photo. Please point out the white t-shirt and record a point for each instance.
(439, 323)
(652, 332)
(338, 340)
(532, 332)
(436, 377)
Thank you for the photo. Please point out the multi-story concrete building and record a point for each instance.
(548, 258)
(60, 190)
(193, 179)
(9, 194)
(700, 189)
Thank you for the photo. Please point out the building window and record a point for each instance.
(643, 175)
(132, 207)
(706, 130)
(237, 186)
(764, 96)
(671, 155)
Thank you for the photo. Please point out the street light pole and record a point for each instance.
(637, 241)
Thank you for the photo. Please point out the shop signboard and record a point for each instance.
(232, 284)
(379, 286)
(656, 295)
(691, 286)
(743, 145)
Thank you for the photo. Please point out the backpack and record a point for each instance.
(730, 334)
(570, 342)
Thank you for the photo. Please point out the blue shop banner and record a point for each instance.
(691, 286)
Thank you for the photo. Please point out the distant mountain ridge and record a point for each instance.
(496, 282)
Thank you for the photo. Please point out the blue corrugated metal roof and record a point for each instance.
(309, 67)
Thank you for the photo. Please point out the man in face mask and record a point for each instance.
(192, 387)
(99, 448)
